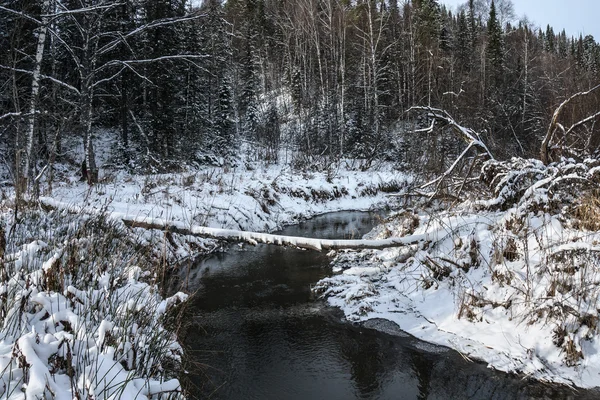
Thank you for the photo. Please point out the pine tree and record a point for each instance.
(164, 95)
(428, 23)
(214, 91)
(473, 29)
(563, 44)
(462, 45)
(590, 53)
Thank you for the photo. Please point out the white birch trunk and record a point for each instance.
(35, 91)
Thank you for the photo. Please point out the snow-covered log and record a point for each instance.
(257, 237)
(248, 237)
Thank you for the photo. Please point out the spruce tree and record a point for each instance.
(473, 29)
(549, 42)
(462, 45)
(563, 44)
(495, 48)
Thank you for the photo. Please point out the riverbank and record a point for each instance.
(253, 197)
(259, 333)
(83, 310)
(511, 280)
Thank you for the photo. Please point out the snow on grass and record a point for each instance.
(518, 289)
(261, 199)
(77, 320)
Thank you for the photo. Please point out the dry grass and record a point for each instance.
(86, 256)
(586, 213)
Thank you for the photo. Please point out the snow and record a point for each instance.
(498, 286)
(223, 201)
(88, 325)
(100, 337)
(489, 278)
(27, 353)
(262, 199)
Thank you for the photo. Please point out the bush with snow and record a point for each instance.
(77, 321)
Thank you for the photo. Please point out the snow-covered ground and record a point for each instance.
(78, 316)
(80, 304)
(512, 281)
(261, 199)
(516, 288)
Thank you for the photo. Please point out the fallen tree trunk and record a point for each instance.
(266, 238)
(251, 237)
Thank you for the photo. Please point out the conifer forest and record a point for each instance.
(185, 82)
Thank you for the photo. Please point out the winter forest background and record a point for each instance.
(198, 123)
(322, 79)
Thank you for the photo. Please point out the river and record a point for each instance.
(259, 333)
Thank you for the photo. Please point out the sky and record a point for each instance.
(575, 16)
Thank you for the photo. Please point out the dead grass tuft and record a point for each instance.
(587, 213)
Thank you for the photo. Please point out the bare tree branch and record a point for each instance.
(162, 22)
(467, 134)
(11, 114)
(554, 124)
(58, 82)
(20, 14)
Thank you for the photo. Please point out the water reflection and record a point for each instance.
(261, 335)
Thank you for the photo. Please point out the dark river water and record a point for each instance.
(259, 333)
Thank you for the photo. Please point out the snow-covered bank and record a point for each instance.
(517, 288)
(261, 199)
(82, 310)
(78, 316)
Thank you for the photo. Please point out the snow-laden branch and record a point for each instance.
(84, 10)
(154, 24)
(449, 170)
(42, 76)
(20, 14)
(129, 63)
(428, 129)
(469, 135)
(10, 114)
(554, 124)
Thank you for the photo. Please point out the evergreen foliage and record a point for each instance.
(327, 79)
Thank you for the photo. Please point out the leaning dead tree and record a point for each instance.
(576, 138)
(441, 119)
